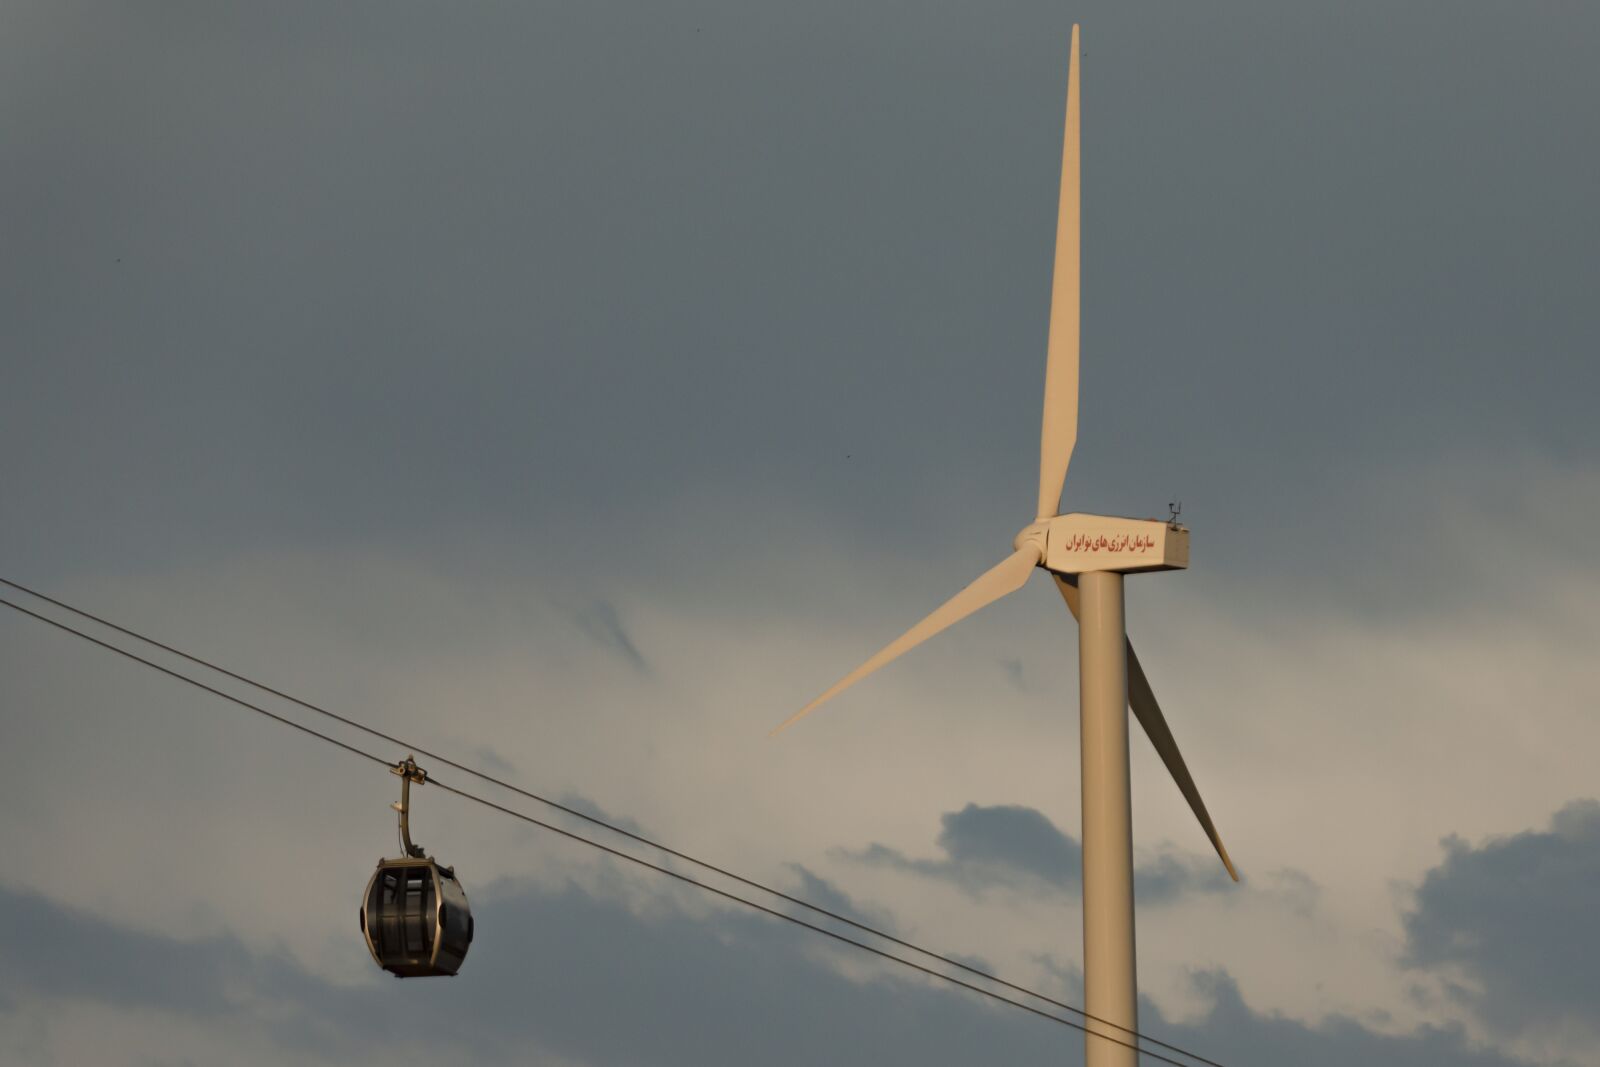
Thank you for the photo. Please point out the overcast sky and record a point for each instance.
(579, 389)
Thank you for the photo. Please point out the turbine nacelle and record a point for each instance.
(1078, 543)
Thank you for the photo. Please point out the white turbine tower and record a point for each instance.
(1086, 555)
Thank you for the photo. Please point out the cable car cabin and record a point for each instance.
(416, 919)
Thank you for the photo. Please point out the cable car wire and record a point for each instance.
(977, 972)
(818, 909)
(353, 750)
(618, 853)
(820, 929)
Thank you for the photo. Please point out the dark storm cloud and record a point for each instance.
(413, 274)
(1019, 847)
(1515, 917)
(569, 974)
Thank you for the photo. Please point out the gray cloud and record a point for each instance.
(1009, 838)
(1515, 918)
(814, 889)
(580, 803)
(1001, 845)
(1019, 847)
(561, 973)
(1169, 875)
(53, 951)
(1233, 1033)
(602, 623)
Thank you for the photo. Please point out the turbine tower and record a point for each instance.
(1087, 556)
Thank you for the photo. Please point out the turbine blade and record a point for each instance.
(1142, 699)
(1006, 577)
(1060, 429)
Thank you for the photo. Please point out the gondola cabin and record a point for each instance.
(416, 919)
(415, 915)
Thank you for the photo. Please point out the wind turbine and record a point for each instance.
(1086, 555)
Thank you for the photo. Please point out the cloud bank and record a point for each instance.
(1018, 847)
(1513, 920)
(564, 975)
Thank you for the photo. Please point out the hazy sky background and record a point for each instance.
(579, 389)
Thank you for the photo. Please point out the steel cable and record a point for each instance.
(815, 908)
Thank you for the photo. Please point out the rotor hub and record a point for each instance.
(1032, 534)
